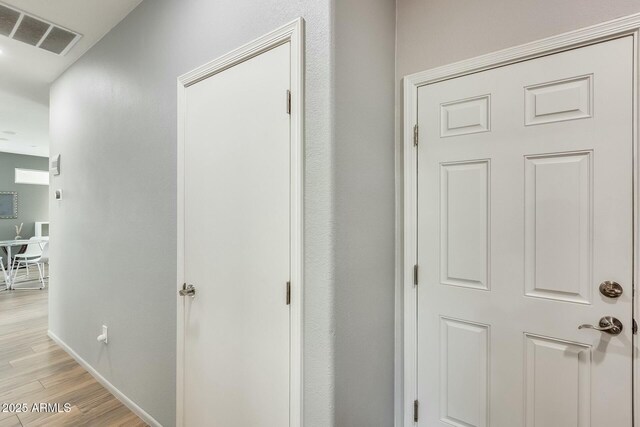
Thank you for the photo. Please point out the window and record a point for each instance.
(32, 176)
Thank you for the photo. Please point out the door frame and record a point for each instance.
(406, 183)
(292, 33)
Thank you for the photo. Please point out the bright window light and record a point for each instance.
(32, 176)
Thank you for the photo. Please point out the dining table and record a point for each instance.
(11, 247)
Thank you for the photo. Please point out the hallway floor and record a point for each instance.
(33, 369)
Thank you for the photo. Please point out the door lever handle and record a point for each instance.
(187, 290)
(608, 324)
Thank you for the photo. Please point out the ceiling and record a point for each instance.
(26, 72)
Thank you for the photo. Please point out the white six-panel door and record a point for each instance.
(524, 201)
(237, 180)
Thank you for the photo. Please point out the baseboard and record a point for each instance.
(106, 384)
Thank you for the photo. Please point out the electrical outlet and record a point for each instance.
(105, 336)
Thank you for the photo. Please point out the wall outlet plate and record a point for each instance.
(104, 337)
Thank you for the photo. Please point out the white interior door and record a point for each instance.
(236, 245)
(524, 207)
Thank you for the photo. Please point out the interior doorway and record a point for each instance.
(515, 275)
(240, 232)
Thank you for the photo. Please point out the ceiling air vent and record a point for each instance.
(8, 20)
(36, 32)
(30, 30)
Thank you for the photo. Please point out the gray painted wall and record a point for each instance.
(364, 161)
(33, 200)
(113, 120)
(438, 32)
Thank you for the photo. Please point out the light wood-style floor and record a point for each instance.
(33, 369)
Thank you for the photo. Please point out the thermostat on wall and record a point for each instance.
(55, 165)
(58, 194)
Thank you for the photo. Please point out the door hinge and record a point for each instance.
(415, 135)
(634, 327)
(288, 101)
(288, 293)
(415, 411)
(415, 275)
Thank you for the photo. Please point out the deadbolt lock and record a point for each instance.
(610, 289)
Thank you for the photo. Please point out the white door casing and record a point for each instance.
(475, 182)
(240, 158)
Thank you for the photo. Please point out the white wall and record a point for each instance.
(113, 250)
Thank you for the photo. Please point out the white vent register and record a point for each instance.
(18, 25)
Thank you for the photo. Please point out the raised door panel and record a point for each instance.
(557, 101)
(464, 224)
(557, 383)
(464, 373)
(558, 226)
(465, 116)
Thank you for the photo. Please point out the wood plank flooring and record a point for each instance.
(34, 369)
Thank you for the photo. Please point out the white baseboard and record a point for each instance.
(106, 384)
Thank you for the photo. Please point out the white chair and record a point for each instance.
(34, 250)
(39, 262)
(4, 272)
